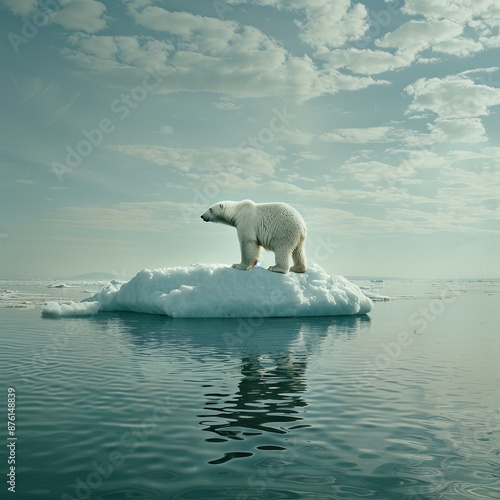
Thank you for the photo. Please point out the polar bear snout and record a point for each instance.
(203, 217)
(206, 217)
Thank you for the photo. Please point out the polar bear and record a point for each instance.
(274, 226)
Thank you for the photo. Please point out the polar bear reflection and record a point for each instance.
(267, 399)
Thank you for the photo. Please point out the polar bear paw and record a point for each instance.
(240, 267)
(277, 269)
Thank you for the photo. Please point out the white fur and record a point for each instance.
(274, 226)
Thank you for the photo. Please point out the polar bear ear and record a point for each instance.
(221, 205)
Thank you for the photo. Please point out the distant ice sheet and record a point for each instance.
(218, 291)
(72, 309)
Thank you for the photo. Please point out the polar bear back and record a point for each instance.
(276, 223)
(270, 225)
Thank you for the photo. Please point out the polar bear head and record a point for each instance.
(223, 212)
(216, 213)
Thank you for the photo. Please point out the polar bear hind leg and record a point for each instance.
(299, 258)
(282, 256)
(250, 252)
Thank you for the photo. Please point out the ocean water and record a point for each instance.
(403, 403)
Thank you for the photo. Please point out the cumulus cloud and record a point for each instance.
(460, 11)
(326, 24)
(454, 96)
(206, 54)
(457, 130)
(458, 103)
(350, 22)
(439, 35)
(481, 18)
(405, 44)
(117, 57)
(248, 65)
(213, 53)
(84, 15)
(461, 34)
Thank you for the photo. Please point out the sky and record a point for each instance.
(123, 121)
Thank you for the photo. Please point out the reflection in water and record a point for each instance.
(266, 399)
(270, 394)
(272, 362)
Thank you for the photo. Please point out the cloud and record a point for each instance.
(24, 8)
(84, 15)
(117, 57)
(247, 162)
(247, 65)
(367, 61)
(212, 54)
(457, 130)
(480, 17)
(362, 135)
(373, 172)
(349, 19)
(307, 156)
(327, 24)
(460, 46)
(407, 42)
(226, 104)
(294, 136)
(439, 35)
(165, 130)
(182, 24)
(460, 11)
(206, 54)
(458, 103)
(135, 216)
(454, 96)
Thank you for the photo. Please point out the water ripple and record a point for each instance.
(299, 409)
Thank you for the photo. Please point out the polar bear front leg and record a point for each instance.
(249, 255)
